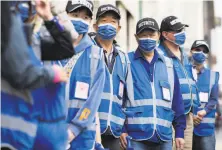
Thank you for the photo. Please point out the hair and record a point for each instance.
(5, 24)
(82, 8)
(114, 15)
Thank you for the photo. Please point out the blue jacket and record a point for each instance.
(149, 108)
(207, 83)
(84, 91)
(111, 112)
(187, 84)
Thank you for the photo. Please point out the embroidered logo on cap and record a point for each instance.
(109, 8)
(173, 22)
(146, 23)
(201, 43)
(82, 2)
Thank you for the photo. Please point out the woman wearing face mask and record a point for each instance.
(207, 83)
(86, 79)
(155, 102)
(173, 36)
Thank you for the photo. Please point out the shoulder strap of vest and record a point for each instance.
(129, 82)
(159, 51)
(96, 55)
(71, 63)
(124, 61)
(170, 72)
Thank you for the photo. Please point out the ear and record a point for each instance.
(118, 29)
(95, 27)
(159, 35)
(164, 33)
(137, 38)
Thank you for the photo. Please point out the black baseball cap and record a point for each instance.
(171, 23)
(106, 8)
(75, 4)
(146, 23)
(199, 43)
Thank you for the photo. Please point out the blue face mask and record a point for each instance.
(24, 11)
(147, 44)
(180, 38)
(199, 57)
(80, 25)
(106, 31)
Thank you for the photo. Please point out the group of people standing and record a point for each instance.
(90, 94)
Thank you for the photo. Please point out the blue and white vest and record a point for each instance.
(84, 69)
(111, 112)
(150, 103)
(205, 83)
(187, 83)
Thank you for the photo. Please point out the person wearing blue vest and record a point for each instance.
(207, 83)
(111, 113)
(154, 101)
(173, 36)
(20, 75)
(86, 79)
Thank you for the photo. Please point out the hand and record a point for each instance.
(123, 140)
(180, 143)
(197, 120)
(201, 113)
(58, 7)
(71, 136)
(60, 74)
(43, 9)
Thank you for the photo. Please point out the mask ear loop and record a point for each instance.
(171, 40)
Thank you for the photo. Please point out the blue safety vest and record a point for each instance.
(187, 83)
(82, 69)
(205, 83)
(150, 103)
(111, 113)
(50, 105)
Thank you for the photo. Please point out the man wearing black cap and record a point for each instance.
(86, 73)
(154, 101)
(172, 37)
(110, 112)
(207, 83)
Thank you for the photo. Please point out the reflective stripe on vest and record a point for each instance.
(186, 81)
(149, 120)
(149, 102)
(208, 120)
(23, 94)
(18, 124)
(114, 119)
(170, 73)
(95, 56)
(114, 98)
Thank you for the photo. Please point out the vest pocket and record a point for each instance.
(135, 118)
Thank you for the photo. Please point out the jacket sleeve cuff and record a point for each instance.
(124, 130)
(75, 129)
(179, 133)
(207, 110)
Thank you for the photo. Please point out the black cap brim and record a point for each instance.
(99, 15)
(144, 28)
(179, 27)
